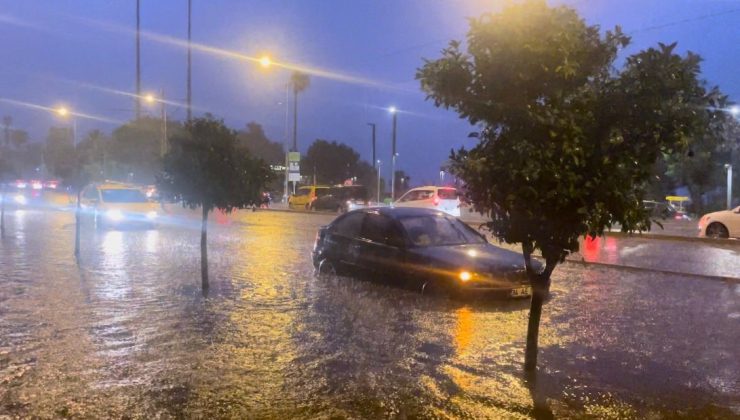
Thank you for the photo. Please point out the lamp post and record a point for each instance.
(373, 127)
(394, 112)
(151, 99)
(64, 113)
(378, 192)
(735, 112)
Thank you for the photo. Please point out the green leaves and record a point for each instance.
(567, 143)
(207, 167)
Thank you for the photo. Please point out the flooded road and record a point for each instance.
(129, 333)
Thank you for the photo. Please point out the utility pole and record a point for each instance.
(373, 126)
(189, 87)
(393, 156)
(163, 113)
(728, 167)
(138, 60)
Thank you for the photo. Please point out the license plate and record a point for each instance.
(521, 291)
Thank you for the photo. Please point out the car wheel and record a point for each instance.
(326, 268)
(717, 230)
(308, 207)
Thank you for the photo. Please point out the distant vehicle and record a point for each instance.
(342, 199)
(664, 210)
(432, 197)
(721, 224)
(304, 196)
(117, 204)
(23, 194)
(419, 248)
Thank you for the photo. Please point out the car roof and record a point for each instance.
(401, 212)
(117, 186)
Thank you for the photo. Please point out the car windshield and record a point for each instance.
(123, 196)
(430, 230)
(302, 192)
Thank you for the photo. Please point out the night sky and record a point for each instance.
(64, 51)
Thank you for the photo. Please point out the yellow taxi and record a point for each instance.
(115, 204)
(304, 196)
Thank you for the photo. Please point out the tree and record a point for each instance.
(300, 82)
(567, 142)
(136, 146)
(402, 183)
(18, 138)
(255, 140)
(207, 168)
(333, 163)
(6, 173)
(73, 166)
(95, 149)
(59, 151)
(7, 122)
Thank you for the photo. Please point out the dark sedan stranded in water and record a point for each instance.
(419, 248)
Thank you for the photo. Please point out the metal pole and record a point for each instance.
(138, 62)
(163, 146)
(373, 126)
(378, 199)
(729, 185)
(393, 159)
(295, 120)
(189, 81)
(74, 131)
(285, 140)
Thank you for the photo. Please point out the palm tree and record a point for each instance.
(300, 82)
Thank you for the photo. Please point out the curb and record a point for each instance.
(733, 280)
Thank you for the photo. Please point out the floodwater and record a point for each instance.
(128, 333)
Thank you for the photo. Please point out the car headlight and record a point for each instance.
(151, 215)
(114, 215)
(465, 276)
(20, 199)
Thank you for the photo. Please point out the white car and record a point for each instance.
(721, 224)
(436, 198)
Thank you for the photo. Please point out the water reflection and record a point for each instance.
(128, 334)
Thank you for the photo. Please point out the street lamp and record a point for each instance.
(265, 61)
(373, 126)
(735, 110)
(379, 163)
(728, 167)
(151, 99)
(394, 112)
(64, 112)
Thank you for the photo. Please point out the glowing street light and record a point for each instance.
(265, 61)
(152, 99)
(63, 112)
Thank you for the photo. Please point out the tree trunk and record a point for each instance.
(540, 289)
(77, 224)
(204, 249)
(539, 292)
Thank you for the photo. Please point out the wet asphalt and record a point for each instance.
(128, 333)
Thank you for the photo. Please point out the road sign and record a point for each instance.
(294, 166)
